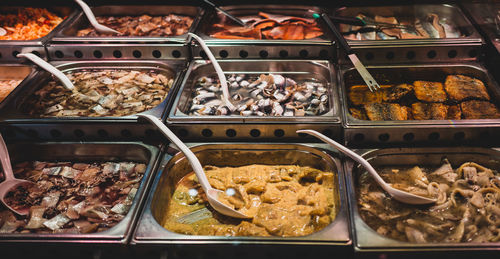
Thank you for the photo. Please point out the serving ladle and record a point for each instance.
(212, 194)
(49, 68)
(402, 196)
(218, 70)
(93, 21)
(10, 181)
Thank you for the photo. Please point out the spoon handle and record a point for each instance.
(5, 160)
(93, 21)
(48, 67)
(191, 157)
(350, 154)
(218, 69)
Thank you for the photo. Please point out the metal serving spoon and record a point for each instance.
(48, 67)
(10, 181)
(402, 196)
(212, 194)
(93, 21)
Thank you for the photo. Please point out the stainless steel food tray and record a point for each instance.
(16, 72)
(239, 10)
(368, 240)
(448, 11)
(365, 132)
(175, 166)
(242, 125)
(10, 48)
(88, 152)
(13, 114)
(80, 21)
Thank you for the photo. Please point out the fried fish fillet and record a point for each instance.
(479, 110)
(358, 114)
(461, 87)
(360, 94)
(429, 91)
(429, 111)
(435, 111)
(386, 111)
(397, 92)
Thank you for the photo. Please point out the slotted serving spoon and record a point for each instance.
(363, 72)
(49, 68)
(402, 196)
(93, 21)
(10, 181)
(212, 194)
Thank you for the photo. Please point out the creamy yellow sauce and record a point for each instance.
(283, 200)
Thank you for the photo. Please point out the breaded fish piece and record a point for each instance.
(432, 92)
(461, 87)
(454, 112)
(386, 111)
(360, 94)
(397, 92)
(479, 110)
(429, 111)
(358, 114)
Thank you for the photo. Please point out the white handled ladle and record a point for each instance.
(93, 21)
(10, 181)
(218, 69)
(48, 67)
(402, 196)
(212, 194)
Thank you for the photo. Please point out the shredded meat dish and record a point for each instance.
(460, 97)
(283, 200)
(100, 93)
(144, 25)
(7, 86)
(266, 26)
(467, 207)
(431, 26)
(71, 197)
(265, 95)
(28, 24)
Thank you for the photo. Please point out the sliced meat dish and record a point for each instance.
(386, 111)
(397, 92)
(429, 91)
(358, 114)
(360, 94)
(461, 87)
(479, 110)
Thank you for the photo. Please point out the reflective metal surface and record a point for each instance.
(368, 240)
(88, 152)
(68, 33)
(173, 168)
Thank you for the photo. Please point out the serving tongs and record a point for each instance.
(367, 77)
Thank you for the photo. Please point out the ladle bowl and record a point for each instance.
(10, 182)
(402, 196)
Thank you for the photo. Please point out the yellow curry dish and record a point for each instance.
(283, 200)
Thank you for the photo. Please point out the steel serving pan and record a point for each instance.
(322, 71)
(399, 130)
(68, 33)
(88, 152)
(242, 10)
(450, 12)
(13, 113)
(149, 230)
(368, 240)
(15, 72)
